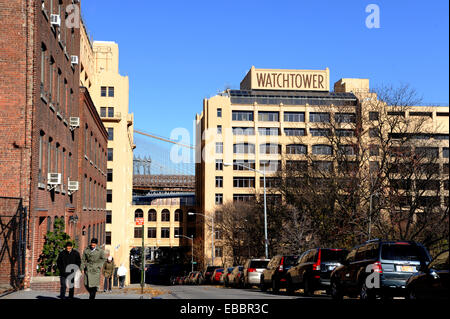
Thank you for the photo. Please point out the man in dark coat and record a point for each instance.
(92, 263)
(66, 262)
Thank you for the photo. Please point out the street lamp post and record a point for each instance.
(266, 242)
(192, 249)
(212, 233)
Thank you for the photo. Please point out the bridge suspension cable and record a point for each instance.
(161, 138)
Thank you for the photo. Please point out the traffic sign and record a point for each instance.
(139, 221)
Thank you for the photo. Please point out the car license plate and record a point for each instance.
(406, 268)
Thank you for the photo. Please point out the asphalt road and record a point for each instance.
(217, 292)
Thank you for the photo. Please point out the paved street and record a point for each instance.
(169, 292)
(217, 292)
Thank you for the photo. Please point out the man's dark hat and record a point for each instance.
(94, 241)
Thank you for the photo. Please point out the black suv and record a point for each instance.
(275, 274)
(313, 270)
(378, 267)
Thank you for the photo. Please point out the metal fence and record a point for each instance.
(13, 237)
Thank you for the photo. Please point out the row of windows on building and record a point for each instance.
(54, 158)
(164, 232)
(316, 117)
(165, 216)
(55, 88)
(274, 131)
(107, 91)
(270, 116)
(93, 194)
(93, 150)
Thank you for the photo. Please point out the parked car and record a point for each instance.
(188, 279)
(313, 270)
(253, 268)
(431, 282)
(235, 278)
(275, 274)
(226, 275)
(389, 264)
(197, 278)
(208, 273)
(215, 278)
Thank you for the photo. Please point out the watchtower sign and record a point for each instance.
(139, 221)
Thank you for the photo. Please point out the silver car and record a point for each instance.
(253, 268)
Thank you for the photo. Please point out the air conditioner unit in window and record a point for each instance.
(55, 19)
(72, 187)
(74, 59)
(74, 122)
(53, 180)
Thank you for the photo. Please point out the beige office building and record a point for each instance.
(258, 125)
(99, 73)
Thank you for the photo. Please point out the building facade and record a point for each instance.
(99, 73)
(281, 117)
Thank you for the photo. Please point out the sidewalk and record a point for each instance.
(130, 292)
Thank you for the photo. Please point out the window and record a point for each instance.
(270, 149)
(295, 131)
(178, 231)
(246, 131)
(270, 182)
(108, 217)
(218, 252)
(374, 132)
(43, 50)
(322, 150)
(347, 149)
(243, 197)
(103, 112)
(297, 165)
(217, 234)
(219, 129)
(109, 196)
(374, 116)
(108, 238)
(219, 148)
(396, 114)
(165, 215)
(270, 166)
(294, 116)
(322, 166)
(111, 91)
(268, 131)
(219, 181)
(103, 91)
(243, 182)
(165, 232)
(268, 116)
(110, 134)
(345, 117)
(151, 232)
(219, 165)
(219, 112)
(445, 152)
(243, 165)
(348, 133)
(110, 175)
(110, 112)
(425, 114)
(110, 154)
(41, 154)
(374, 150)
(178, 215)
(374, 167)
(319, 117)
(152, 215)
(429, 152)
(319, 132)
(138, 213)
(137, 232)
(219, 199)
(296, 149)
(242, 115)
(244, 148)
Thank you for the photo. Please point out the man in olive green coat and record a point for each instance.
(92, 263)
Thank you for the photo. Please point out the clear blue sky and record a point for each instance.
(178, 52)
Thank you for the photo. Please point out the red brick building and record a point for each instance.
(41, 123)
(92, 173)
